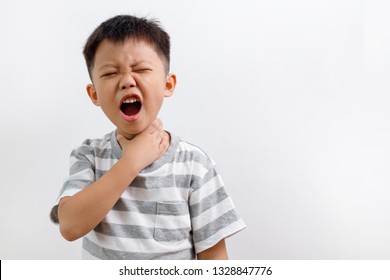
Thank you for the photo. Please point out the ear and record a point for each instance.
(93, 94)
(170, 84)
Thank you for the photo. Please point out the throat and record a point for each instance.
(131, 109)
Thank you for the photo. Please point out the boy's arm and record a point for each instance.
(217, 252)
(82, 212)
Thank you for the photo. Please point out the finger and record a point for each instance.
(160, 134)
(164, 143)
(164, 139)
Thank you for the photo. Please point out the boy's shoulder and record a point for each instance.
(99, 140)
(96, 146)
(188, 149)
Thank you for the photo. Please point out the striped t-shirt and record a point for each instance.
(174, 209)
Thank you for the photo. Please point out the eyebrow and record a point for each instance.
(114, 65)
(108, 65)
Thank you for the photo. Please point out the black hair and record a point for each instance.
(54, 214)
(123, 27)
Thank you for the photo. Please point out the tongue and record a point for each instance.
(131, 109)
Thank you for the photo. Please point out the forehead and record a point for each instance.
(125, 51)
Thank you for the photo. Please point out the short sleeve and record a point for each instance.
(81, 172)
(213, 215)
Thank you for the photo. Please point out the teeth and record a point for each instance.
(130, 100)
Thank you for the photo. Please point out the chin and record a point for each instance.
(131, 133)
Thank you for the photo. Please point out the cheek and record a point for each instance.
(155, 106)
(159, 101)
(106, 92)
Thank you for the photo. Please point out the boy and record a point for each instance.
(140, 192)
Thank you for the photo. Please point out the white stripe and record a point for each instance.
(105, 164)
(73, 159)
(205, 190)
(86, 174)
(173, 222)
(156, 195)
(130, 218)
(137, 245)
(179, 168)
(147, 220)
(212, 214)
(185, 146)
(67, 192)
(90, 157)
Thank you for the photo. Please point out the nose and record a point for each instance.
(127, 81)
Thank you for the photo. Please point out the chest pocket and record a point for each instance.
(172, 224)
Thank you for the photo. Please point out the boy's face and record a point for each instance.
(129, 84)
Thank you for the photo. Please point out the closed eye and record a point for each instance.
(110, 74)
(142, 70)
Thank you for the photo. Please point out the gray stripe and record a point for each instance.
(171, 235)
(179, 208)
(144, 207)
(80, 165)
(155, 182)
(75, 184)
(198, 182)
(99, 152)
(211, 228)
(208, 202)
(179, 181)
(105, 139)
(81, 152)
(115, 145)
(99, 173)
(107, 153)
(103, 253)
(172, 208)
(192, 156)
(164, 181)
(135, 232)
(139, 232)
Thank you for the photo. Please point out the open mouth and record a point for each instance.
(131, 106)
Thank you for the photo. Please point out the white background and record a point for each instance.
(290, 98)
